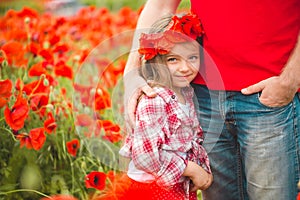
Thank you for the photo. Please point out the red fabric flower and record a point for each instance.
(95, 180)
(73, 146)
(148, 45)
(189, 25)
(50, 124)
(180, 30)
(5, 91)
(35, 139)
(16, 117)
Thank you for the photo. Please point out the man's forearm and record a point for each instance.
(290, 75)
(153, 10)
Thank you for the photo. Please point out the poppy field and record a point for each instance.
(58, 80)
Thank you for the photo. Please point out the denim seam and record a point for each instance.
(221, 106)
(239, 172)
(296, 135)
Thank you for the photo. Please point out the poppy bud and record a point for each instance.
(4, 63)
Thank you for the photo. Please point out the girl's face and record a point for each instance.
(183, 62)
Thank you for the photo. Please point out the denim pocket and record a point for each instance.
(270, 107)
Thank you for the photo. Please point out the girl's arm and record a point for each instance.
(148, 137)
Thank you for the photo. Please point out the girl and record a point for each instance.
(167, 160)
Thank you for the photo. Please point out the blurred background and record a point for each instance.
(69, 7)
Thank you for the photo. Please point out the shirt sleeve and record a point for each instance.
(151, 126)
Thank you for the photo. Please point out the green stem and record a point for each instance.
(9, 131)
(72, 172)
(25, 190)
(2, 117)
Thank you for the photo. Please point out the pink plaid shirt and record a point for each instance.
(163, 134)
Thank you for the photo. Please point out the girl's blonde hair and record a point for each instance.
(154, 71)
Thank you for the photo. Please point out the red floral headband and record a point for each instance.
(161, 43)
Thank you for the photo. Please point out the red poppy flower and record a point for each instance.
(95, 180)
(47, 54)
(2, 56)
(50, 124)
(5, 91)
(37, 69)
(112, 131)
(36, 87)
(35, 139)
(102, 98)
(60, 49)
(38, 101)
(112, 136)
(16, 117)
(85, 93)
(27, 12)
(19, 85)
(111, 175)
(73, 146)
(15, 53)
(62, 69)
(108, 125)
(54, 39)
(33, 48)
(84, 120)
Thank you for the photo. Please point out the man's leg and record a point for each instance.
(268, 140)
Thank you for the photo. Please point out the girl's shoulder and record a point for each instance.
(159, 102)
(162, 94)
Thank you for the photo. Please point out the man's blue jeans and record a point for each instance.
(253, 149)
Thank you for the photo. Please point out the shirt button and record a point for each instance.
(173, 96)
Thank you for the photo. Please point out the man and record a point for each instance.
(247, 92)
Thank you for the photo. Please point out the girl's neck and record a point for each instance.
(180, 96)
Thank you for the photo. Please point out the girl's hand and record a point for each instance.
(200, 178)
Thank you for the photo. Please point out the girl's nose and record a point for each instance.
(185, 66)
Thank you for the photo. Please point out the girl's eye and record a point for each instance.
(193, 58)
(171, 59)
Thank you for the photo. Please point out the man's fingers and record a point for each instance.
(148, 91)
(253, 88)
